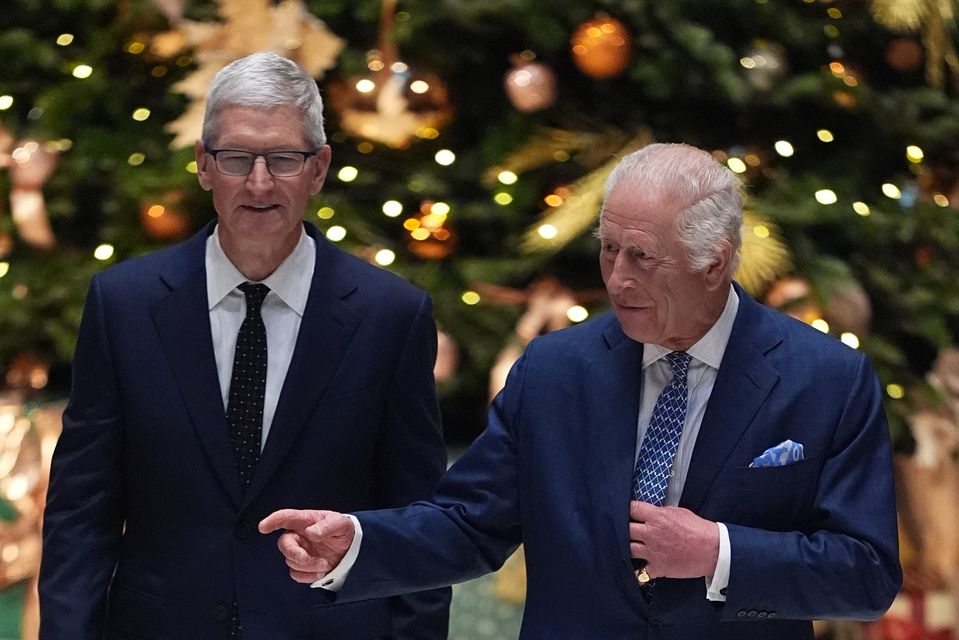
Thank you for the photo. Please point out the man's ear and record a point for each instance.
(321, 167)
(203, 160)
(717, 273)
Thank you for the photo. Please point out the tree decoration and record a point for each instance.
(578, 211)
(30, 165)
(764, 255)
(163, 218)
(602, 47)
(765, 64)
(287, 29)
(530, 86)
(904, 54)
(793, 295)
(931, 19)
(430, 237)
(848, 309)
(394, 103)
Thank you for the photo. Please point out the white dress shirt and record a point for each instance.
(282, 313)
(706, 355)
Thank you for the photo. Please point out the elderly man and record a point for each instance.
(693, 465)
(252, 367)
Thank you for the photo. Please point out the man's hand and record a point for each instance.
(314, 541)
(674, 542)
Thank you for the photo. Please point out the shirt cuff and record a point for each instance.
(335, 579)
(716, 586)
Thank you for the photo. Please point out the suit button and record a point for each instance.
(722, 591)
(752, 613)
(221, 612)
(761, 614)
(242, 529)
(741, 613)
(772, 615)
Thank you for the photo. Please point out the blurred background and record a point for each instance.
(470, 143)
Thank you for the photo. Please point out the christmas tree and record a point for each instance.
(470, 141)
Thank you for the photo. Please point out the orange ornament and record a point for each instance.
(163, 219)
(602, 47)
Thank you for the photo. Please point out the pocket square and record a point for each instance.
(786, 452)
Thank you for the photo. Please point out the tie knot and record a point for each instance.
(255, 293)
(679, 361)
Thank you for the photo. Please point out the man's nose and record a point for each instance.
(259, 178)
(622, 277)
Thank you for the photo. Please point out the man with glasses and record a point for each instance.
(252, 367)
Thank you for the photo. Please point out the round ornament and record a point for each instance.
(530, 86)
(904, 54)
(602, 47)
(163, 218)
(793, 295)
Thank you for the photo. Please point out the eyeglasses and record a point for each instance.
(280, 164)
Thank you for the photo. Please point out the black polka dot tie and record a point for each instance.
(244, 413)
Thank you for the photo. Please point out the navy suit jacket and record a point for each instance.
(553, 469)
(146, 531)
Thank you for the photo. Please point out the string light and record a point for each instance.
(895, 391)
(891, 191)
(445, 157)
(470, 297)
(4, 268)
(502, 198)
(103, 252)
(136, 159)
(576, 313)
(507, 177)
(384, 257)
(826, 196)
(941, 200)
(64, 39)
(141, 114)
(547, 231)
(820, 325)
(82, 71)
(191, 166)
(736, 165)
(825, 135)
(6, 102)
(347, 174)
(392, 208)
(335, 233)
(914, 154)
(325, 213)
(850, 339)
(861, 208)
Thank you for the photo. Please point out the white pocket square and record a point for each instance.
(786, 452)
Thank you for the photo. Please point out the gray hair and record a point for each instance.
(264, 81)
(713, 193)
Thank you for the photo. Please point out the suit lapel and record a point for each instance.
(614, 385)
(326, 330)
(742, 386)
(182, 321)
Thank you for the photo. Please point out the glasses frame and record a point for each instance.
(266, 160)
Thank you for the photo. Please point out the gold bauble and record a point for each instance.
(530, 86)
(602, 47)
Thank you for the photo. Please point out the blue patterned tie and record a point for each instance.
(655, 463)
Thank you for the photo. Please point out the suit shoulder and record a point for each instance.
(578, 340)
(372, 280)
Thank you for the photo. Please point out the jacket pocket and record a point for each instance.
(133, 614)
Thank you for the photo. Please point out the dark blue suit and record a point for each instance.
(816, 539)
(146, 532)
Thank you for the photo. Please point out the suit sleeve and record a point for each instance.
(411, 459)
(83, 518)
(844, 562)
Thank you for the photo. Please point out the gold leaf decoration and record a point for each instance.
(932, 19)
(765, 256)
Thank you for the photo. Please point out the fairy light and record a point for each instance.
(507, 177)
(736, 165)
(392, 208)
(6, 102)
(826, 196)
(335, 233)
(365, 85)
(850, 339)
(470, 297)
(325, 213)
(820, 325)
(64, 39)
(502, 198)
(440, 209)
(141, 114)
(553, 200)
(419, 86)
(941, 200)
(761, 231)
(576, 313)
(103, 252)
(825, 135)
(4, 268)
(445, 157)
(895, 391)
(547, 231)
(891, 191)
(861, 208)
(914, 154)
(136, 159)
(384, 257)
(82, 71)
(347, 174)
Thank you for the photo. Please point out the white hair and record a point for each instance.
(265, 81)
(715, 207)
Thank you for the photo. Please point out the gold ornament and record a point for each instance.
(579, 210)
(530, 86)
(249, 26)
(394, 103)
(602, 47)
(931, 18)
(764, 256)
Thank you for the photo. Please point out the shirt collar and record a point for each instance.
(710, 348)
(290, 281)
